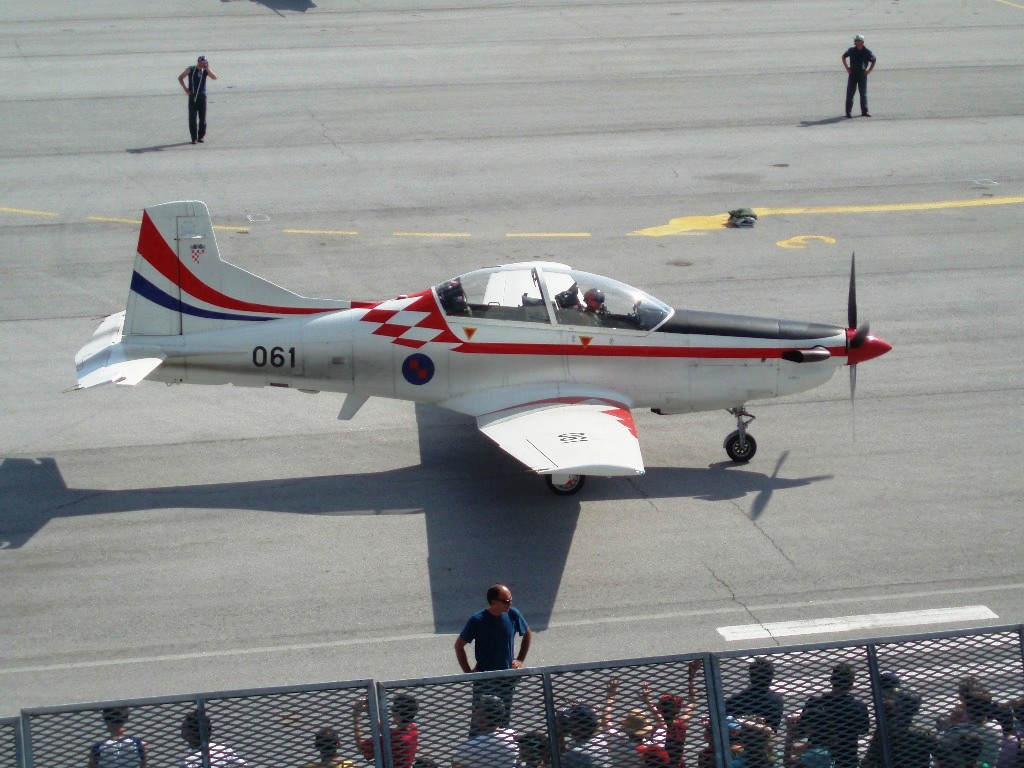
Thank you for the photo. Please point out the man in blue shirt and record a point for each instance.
(493, 631)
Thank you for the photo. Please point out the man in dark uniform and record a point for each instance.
(859, 61)
(196, 90)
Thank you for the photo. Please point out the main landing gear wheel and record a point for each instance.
(740, 450)
(565, 485)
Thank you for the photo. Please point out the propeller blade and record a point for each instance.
(860, 336)
(851, 307)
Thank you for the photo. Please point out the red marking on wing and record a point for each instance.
(625, 417)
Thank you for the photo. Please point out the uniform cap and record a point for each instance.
(858, 37)
(203, 58)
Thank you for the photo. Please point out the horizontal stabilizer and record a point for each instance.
(113, 368)
(104, 360)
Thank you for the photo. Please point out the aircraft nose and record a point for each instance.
(871, 348)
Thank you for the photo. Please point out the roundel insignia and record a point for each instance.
(418, 369)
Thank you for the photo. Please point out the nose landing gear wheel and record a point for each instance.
(740, 450)
(565, 485)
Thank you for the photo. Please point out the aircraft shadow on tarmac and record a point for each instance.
(486, 518)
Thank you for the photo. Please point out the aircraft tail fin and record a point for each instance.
(181, 286)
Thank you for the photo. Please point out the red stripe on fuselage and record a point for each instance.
(156, 250)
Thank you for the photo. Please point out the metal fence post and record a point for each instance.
(22, 750)
(881, 726)
(552, 720)
(380, 726)
(716, 708)
(204, 731)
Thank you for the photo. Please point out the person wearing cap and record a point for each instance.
(859, 61)
(196, 90)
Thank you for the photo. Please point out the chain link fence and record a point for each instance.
(944, 700)
(268, 728)
(9, 727)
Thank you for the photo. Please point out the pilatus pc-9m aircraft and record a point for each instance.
(550, 361)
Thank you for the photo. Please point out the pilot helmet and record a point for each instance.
(453, 298)
(594, 299)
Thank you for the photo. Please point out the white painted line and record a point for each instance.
(850, 623)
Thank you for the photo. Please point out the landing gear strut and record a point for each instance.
(740, 446)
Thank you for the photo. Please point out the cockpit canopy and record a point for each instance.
(543, 292)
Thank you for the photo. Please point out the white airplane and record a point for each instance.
(551, 361)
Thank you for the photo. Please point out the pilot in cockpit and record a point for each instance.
(593, 301)
(453, 297)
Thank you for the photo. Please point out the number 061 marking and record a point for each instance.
(276, 357)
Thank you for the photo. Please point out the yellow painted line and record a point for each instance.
(691, 223)
(319, 232)
(431, 234)
(27, 212)
(109, 220)
(1012, 5)
(547, 234)
(113, 221)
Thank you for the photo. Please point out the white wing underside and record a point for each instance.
(568, 436)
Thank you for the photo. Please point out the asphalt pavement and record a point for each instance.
(159, 540)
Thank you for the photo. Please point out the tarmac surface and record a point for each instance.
(161, 540)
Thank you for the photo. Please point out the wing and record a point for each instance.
(568, 435)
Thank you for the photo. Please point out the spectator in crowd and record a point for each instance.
(978, 710)
(958, 749)
(1009, 753)
(585, 736)
(757, 745)
(671, 715)
(534, 750)
(758, 699)
(639, 732)
(909, 746)
(958, 714)
(119, 750)
(493, 631)
(577, 760)
(327, 744)
(812, 752)
(846, 717)
(194, 729)
(492, 745)
(405, 735)
(706, 757)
